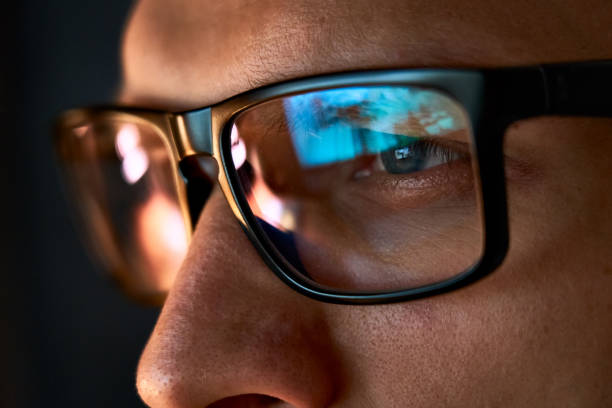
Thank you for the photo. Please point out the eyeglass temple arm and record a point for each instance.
(583, 89)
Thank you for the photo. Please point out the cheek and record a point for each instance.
(424, 353)
(501, 341)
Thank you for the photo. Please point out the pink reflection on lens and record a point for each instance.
(135, 161)
(128, 139)
(81, 131)
(238, 149)
(134, 166)
(163, 237)
(267, 206)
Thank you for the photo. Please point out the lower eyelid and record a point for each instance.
(453, 180)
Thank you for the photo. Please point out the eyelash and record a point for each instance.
(430, 147)
(417, 157)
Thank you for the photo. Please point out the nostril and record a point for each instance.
(250, 401)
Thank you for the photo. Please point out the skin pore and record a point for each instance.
(537, 332)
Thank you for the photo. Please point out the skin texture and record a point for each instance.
(537, 332)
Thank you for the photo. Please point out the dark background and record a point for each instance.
(67, 338)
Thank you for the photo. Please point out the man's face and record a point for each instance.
(537, 332)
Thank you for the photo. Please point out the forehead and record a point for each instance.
(189, 53)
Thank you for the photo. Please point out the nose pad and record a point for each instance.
(200, 173)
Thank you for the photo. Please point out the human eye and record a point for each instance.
(418, 155)
(411, 172)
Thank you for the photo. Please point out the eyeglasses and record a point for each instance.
(366, 187)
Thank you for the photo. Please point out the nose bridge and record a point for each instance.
(192, 132)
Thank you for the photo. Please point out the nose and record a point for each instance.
(231, 334)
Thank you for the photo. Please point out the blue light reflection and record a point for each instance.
(337, 125)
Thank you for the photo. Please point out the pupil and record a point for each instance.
(403, 160)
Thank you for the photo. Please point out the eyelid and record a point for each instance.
(455, 144)
(424, 150)
(448, 150)
(517, 169)
(457, 141)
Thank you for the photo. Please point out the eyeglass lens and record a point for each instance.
(128, 202)
(363, 188)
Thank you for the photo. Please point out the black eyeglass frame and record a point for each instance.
(493, 99)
